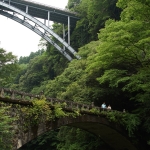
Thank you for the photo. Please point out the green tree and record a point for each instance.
(121, 64)
(77, 139)
(92, 14)
(8, 67)
(6, 132)
(26, 59)
(46, 141)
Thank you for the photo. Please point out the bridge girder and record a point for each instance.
(34, 24)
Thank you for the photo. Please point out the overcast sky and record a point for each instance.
(18, 39)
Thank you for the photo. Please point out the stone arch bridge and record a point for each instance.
(111, 133)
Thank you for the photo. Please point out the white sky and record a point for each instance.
(18, 39)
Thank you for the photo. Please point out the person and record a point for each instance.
(109, 107)
(103, 105)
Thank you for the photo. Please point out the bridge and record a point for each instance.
(26, 13)
(84, 116)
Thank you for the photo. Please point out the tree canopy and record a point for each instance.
(5, 126)
(8, 67)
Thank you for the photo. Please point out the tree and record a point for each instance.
(92, 14)
(8, 67)
(121, 64)
(74, 139)
(46, 141)
(6, 133)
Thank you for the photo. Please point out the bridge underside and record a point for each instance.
(110, 136)
(108, 132)
(24, 18)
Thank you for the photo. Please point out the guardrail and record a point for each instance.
(18, 97)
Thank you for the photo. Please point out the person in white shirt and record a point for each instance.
(103, 105)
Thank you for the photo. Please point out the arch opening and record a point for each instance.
(110, 133)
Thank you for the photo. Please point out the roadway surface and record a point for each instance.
(40, 10)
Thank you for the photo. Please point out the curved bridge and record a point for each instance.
(24, 12)
(111, 133)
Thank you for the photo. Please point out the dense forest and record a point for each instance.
(113, 39)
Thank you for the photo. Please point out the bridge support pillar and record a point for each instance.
(26, 9)
(63, 35)
(48, 17)
(37, 26)
(68, 30)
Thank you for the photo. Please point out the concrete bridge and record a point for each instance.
(26, 13)
(111, 133)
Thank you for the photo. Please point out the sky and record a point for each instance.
(17, 38)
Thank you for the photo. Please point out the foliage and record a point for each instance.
(69, 84)
(42, 111)
(77, 139)
(44, 142)
(8, 67)
(39, 112)
(93, 14)
(72, 83)
(58, 111)
(129, 121)
(6, 132)
(121, 64)
(40, 66)
(95, 110)
(26, 59)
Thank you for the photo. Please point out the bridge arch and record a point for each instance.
(110, 133)
(38, 27)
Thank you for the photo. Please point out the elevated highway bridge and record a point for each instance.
(30, 13)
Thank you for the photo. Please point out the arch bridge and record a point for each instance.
(26, 13)
(111, 133)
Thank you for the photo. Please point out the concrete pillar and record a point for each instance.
(68, 30)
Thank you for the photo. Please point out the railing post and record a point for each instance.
(23, 97)
(77, 106)
(82, 107)
(13, 95)
(92, 104)
(2, 93)
(70, 104)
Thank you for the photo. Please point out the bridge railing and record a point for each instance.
(12, 94)
(19, 97)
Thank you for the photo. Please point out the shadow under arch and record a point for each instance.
(111, 133)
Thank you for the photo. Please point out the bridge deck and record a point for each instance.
(41, 11)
